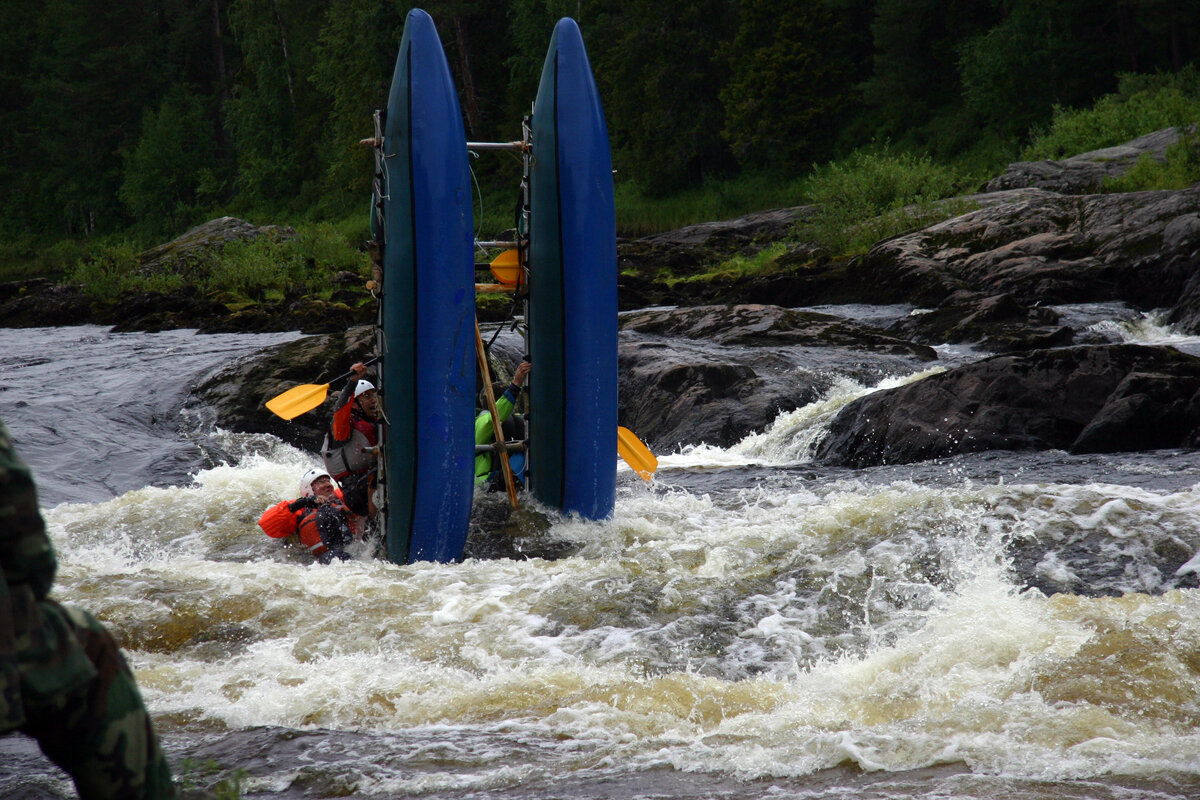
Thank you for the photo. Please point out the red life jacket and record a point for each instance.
(278, 522)
(310, 537)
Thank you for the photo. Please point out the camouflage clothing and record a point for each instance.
(63, 679)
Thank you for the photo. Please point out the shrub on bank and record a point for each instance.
(872, 196)
(25, 256)
(108, 272)
(1180, 169)
(257, 269)
(1142, 104)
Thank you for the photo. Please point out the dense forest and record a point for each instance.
(144, 116)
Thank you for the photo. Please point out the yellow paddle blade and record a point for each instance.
(636, 454)
(507, 267)
(297, 400)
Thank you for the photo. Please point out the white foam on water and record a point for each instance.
(791, 438)
(1147, 328)
(770, 631)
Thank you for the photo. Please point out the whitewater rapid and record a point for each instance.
(747, 625)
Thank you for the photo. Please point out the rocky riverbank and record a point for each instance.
(997, 278)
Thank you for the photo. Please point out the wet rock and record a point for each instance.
(191, 253)
(759, 325)
(37, 302)
(1108, 398)
(1148, 410)
(715, 374)
(235, 396)
(497, 531)
(998, 323)
(154, 311)
(1043, 248)
(686, 376)
(1085, 173)
(674, 404)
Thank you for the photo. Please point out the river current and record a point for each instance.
(747, 625)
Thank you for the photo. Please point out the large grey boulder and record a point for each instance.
(687, 376)
(997, 324)
(760, 324)
(1109, 398)
(1043, 248)
(646, 263)
(703, 244)
(236, 395)
(192, 251)
(714, 374)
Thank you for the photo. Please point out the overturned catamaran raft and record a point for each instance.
(424, 228)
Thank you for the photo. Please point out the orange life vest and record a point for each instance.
(279, 522)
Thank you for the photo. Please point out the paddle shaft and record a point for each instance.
(497, 431)
(366, 363)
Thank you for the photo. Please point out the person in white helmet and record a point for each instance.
(350, 449)
(319, 518)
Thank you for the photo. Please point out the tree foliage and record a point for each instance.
(791, 82)
(660, 76)
(1137, 107)
(173, 169)
(146, 114)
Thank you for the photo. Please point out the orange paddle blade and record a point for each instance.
(507, 267)
(297, 400)
(636, 454)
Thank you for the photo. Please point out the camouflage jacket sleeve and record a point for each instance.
(26, 555)
(26, 573)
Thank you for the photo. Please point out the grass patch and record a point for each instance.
(848, 239)
(638, 215)
(308, 262)
(25, 257)
(113, 271)
(108, 272)
(354, 231)
(761, 263)
(254, 269)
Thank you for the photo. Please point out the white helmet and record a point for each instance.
(310, 478)
(364, 385)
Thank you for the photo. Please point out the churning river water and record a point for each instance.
(749, 625)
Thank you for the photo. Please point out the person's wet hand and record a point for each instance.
(521, 373)
(303, 502)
